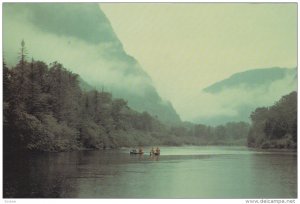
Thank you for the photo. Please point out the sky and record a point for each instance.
(187, 47)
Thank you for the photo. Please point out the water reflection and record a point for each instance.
(277, 170)
(42, 175)
(199, 172)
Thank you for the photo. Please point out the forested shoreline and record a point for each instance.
(44, 109)
(275, 126)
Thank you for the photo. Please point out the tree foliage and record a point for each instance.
(45, 110)
(275, 126)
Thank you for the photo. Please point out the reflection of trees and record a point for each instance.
(73, 174)
(38, 176)
(275, 174)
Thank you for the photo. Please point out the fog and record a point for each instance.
(237, 101)
(97, 63)
(178, 73)
(187, 47)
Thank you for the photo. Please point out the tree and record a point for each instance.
(22, 54)
(275, 126)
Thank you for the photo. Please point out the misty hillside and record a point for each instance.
(45, 109)
(81, 37)
(252, 79)
(241, 93)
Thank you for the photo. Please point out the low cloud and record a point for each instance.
(91, 61)
(231, 101)
(99, 65)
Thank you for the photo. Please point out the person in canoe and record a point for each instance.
(137, 151)
(157, 151)
(133, 151)
(152, 151)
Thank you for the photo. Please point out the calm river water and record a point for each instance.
(179, 172)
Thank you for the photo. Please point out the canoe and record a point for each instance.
(135, 152)
(155, 153)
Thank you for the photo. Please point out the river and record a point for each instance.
(179, 172)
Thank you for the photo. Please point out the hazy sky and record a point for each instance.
(186, 47)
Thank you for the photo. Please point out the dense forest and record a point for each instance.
(46, 110)
(275, 126)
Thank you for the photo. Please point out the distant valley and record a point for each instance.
(244, 91)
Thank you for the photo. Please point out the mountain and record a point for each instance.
(251, 79)
(80, 37)
(234, 98)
